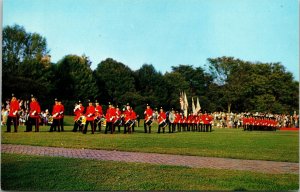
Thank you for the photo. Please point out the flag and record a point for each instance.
(181, 101)
(186, 105)
(193, 107)
(198, 107)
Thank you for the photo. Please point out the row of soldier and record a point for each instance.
(33, 116)
(114, 117)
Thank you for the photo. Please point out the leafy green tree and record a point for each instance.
(151, 85)
(24, 70)
(115, 81)
(175, 83)
(74, 78)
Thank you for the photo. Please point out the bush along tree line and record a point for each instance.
(229, 84)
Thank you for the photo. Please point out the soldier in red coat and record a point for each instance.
(162, 117)
(110, 117)
(56, 116)
(148, 118)
(62, 110)
(14, 107)
(78, 111)
(118, 119)
(128, 119)
(133, 118)
(34, 111)
(98, 115)
(90, 116)
(177, 121)
(206, 121)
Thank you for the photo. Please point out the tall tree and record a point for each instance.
(24, 70)
(115, 81)
(75, 78)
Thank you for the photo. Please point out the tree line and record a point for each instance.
(230, 84)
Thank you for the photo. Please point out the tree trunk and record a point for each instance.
(228, 107)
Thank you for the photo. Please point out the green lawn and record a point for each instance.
(228, 143)
(24, 172)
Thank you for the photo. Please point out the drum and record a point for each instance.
(50, 120)
(98, 120)
(81, 120)
(129, 123)
(118, 122)
(149, 122)
(103, 122)
(163, 124)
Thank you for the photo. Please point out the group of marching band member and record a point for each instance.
(259, 123)
(33, 117)
(198, 122)
(93, 115)
(114, 117)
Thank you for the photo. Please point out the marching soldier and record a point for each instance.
(78, 111)
(90, 116)
(110, 115)
(34, 111)
(133, 118)
(162, 120)
(98, 115)
(128, 119)
(56, 116)
(148, 118)
(172, 118)
(62, 110)
(14, 107)
(177, 121)
(117, 122)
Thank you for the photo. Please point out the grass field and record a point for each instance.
(228, 143)
(25, 172)
(33, 173)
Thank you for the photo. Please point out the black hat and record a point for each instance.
(147, 104)
(109, 103)
(117, 106)
(161, 108)
(96, 101)
(127, 104)
(79, 101)
(90, 101)
(13, 95)
(55, 99)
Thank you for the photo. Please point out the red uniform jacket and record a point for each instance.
(35, 109)
(205, 119)
(78, 112)
(62, 110)
(98, 110)
(90, 113)
(128, 115)
(14, 107)
(177, 118)
(118, 114)
(110, 114)
(56, 112)
(148, 114)
(133, 115)
(161, 117)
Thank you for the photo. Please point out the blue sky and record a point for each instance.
(164, 33)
